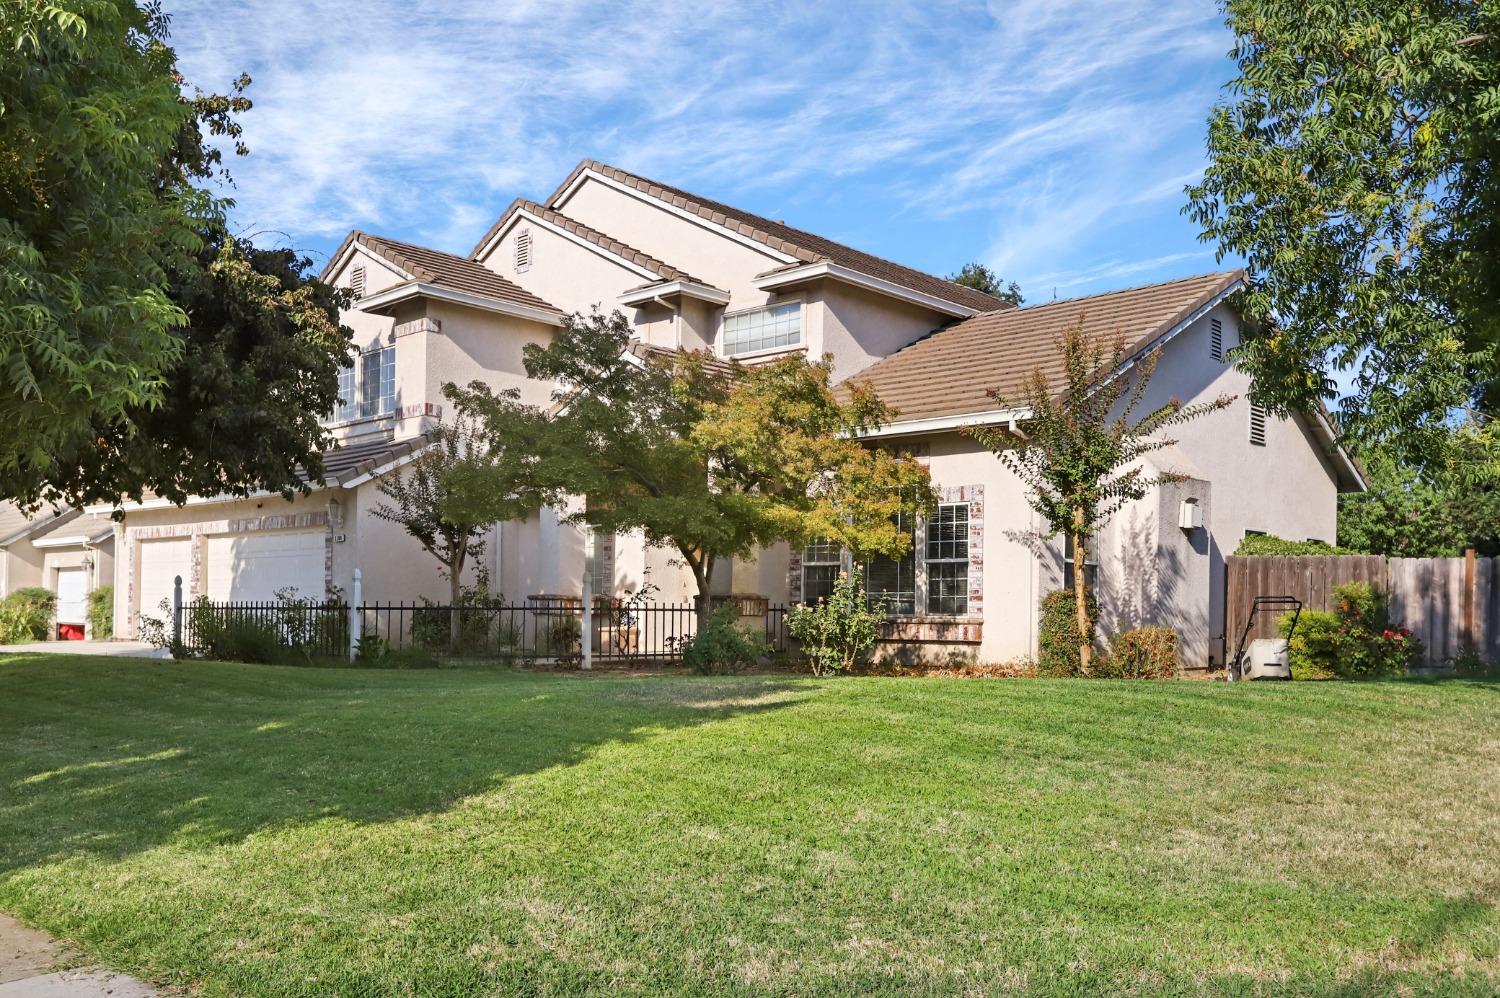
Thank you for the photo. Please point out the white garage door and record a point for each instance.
(161, 562)
(72, 593)
(251, 567)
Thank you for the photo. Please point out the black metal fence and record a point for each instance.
(620, 632)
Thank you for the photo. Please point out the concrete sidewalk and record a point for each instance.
(28, 969)
(118, 649)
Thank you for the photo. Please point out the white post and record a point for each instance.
(356, 616)
(586, 643)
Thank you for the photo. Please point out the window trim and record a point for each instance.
(928, 560)
(721, 344)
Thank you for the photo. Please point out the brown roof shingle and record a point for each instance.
(950, 372)
(805, 246)
(458, 273)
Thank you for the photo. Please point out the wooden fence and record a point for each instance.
(1449, 603)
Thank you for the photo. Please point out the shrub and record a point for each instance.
(1057, 637)
(26, 615)
(1142, 653)
(375, 652)
(837, 632)
(1356, 640)
(1471, 665)
(102, 613)
(1266, 544)
(723, 646)
(431, 623)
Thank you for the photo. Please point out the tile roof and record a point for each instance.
(457, 273)
(606, 242)
(90, 525)
(805, 246)
(951, 371)
(344, 464)
(17, 525)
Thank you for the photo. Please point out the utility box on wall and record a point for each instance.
(1189, 515)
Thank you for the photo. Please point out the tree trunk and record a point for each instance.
(1080, 594)
(455, 599)
(703, 573)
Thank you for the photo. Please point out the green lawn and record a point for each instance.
(276, 831)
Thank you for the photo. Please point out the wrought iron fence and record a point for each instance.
(620, 632)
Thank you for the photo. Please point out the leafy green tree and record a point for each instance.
(146, 348)
(983, 279)
(1080, 456)
(1353, 168)
(708, 459)
(89, 113)
(240, 407)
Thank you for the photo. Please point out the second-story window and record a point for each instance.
(348, 405)
(377, 382)
(763, 329)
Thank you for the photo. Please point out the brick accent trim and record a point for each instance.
(974, 496)
(422, 325)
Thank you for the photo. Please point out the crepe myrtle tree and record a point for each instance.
(1080, 455)
(462, 483)
(707, 458)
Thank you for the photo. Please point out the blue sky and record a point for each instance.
(1048, 140)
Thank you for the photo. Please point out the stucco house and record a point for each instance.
(66, 551)
(698, 274)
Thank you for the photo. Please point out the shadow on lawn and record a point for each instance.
(108, 759)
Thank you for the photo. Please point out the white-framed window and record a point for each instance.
(377, 382)
(1257, 424)
(1216, 339)
(523, 251)
(891, 583)
(947, 559)
(1090, 566)
(602, 581)
(357, 282)
(822, 560)
(770, 328)
(347, 405)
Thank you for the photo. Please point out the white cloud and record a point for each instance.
(1031, 122)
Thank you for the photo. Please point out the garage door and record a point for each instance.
(162, 561)
(251, 567)
(72, 593)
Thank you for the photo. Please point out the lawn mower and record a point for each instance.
(1267, 658)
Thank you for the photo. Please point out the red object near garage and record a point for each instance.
(70, 632)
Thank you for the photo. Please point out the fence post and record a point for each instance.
(356, 617)
(176, 614)
(586, 640)
(1471, 587)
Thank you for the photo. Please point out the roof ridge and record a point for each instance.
(1135, 287)
(770, 239)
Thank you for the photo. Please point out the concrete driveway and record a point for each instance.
(28, 961)
(119, 649)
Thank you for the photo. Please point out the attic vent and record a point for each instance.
(523, 251)
(1216, 339)
(1257, 424)
(357, 282)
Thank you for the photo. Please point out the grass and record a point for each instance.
(282, 831)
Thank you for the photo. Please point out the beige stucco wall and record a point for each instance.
(564, 273)
(858, 327)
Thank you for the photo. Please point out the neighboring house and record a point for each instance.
(697, 274)
(68, 552)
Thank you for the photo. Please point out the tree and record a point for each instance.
(240, 409)
(1080, 456)
(87, 231)
(712, 460)
(1428, 511)
(475, 472)
(146, 347)
(984, 280)
(1353, 168)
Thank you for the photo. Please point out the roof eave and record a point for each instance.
(826, 269)
(687, 289)
(385, 302)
